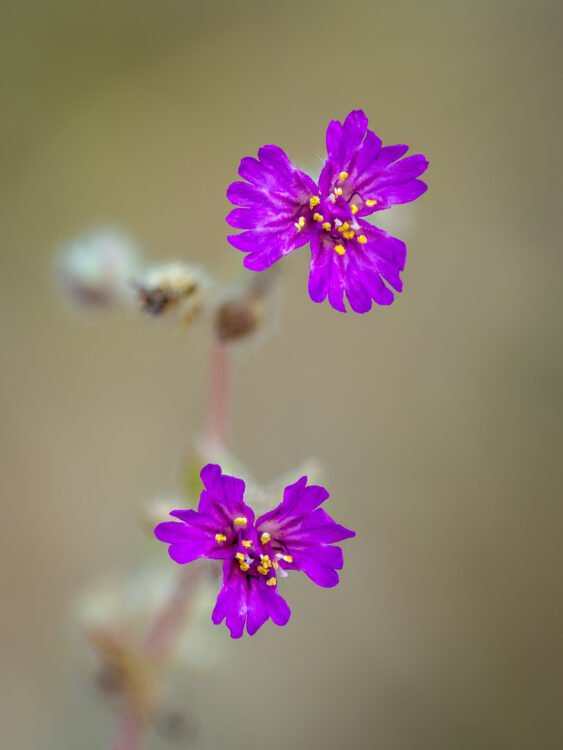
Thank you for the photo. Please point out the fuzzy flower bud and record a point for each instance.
(95, 269)
(243, 311)
(172, 287)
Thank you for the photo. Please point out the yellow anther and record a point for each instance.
(240, 521)
(314, 201)
(244, 566)
(220, 538)
(362, 239)
(344, 227)
(318, 217)
(340, 249)
(276, 565)
(265, 538)
(354, 209)
(348, 235)
(240, 556)
(287, 558)
(300, 223)
(371, 202)
(246, 543)
(262, 570)
(326, 226)
(338, 191)
(271, 581)
(343, 175)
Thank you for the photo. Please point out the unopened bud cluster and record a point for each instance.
(175, 288)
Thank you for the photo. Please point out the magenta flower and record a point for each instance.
(283, 209)
(297, 535)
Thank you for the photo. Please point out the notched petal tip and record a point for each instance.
(210, 474)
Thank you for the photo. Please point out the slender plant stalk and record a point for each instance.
(135, 720)
(131, 730)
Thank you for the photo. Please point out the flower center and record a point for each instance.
(336, 216)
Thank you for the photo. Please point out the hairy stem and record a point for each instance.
(135, 719)
(131, 730)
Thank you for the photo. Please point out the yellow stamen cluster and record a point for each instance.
(241, 557)
(240, 521)
(354, 209)
(362, 239)
(343, 175)
(318, 217)
(246, 543)
(340, 249)
(327, 227)
(266, 564)
(338, 191)
(300, 223)
(220, 538)
(347, 233)
(371, 203)
(314, 201)
(265, 538)
(271, 582)
(287, 558)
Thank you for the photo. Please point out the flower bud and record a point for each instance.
(242, 312)
(237, 318)
(95, 269)
(172, 288)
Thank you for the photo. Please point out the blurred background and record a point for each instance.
(438, 420)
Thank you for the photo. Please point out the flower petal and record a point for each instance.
(253, 218)
(276, 606)
(188, 552)
(320, 564)
(222, 497)
(276, 160)
(318, 528)
(257, 614)
(252, 170)
(366, 155)
(382, 246)
(358, 295)
(298, 501)
(172, 531)
(320, 269)
(395, 194)
(336, 284)
(354, 129)
(245, 598)
(406, 169)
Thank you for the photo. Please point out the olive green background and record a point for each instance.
(438, 419)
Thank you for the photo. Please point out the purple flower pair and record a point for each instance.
(296, 535)
(282, 209)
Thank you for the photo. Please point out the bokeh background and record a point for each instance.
(438, 419)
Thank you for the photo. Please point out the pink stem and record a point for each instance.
(130, 731)
(134, 722)
(160, 640)
(172, 616)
